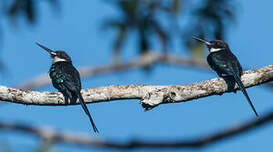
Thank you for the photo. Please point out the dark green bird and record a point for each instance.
(225, 63)
(66, 78)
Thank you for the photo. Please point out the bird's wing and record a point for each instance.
(224, 64)
(72, 78)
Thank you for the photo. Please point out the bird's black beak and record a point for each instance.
(51, 52)
(201, 40)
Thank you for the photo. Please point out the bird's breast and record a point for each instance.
(56, 74)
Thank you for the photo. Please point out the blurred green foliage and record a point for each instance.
(150, 20)
(141, 17)
(161, 19)
(15, 9)
(23, 8)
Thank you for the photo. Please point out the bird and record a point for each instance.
(66, 79)
(225, 64)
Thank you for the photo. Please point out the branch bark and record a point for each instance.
(144, 60)
(54, 136)
(150, 96)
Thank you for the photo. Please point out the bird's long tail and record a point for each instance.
(242, 88)
(87, 112)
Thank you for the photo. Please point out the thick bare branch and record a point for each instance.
(141, 61)
(150, 95)
(85, 140)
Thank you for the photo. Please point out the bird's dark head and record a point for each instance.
(57, 56)
(61, 56)
(214, 46)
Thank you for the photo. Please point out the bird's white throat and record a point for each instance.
(57, 59)
(215, 49)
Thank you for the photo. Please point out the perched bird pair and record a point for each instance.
(66, 78)
(225, 64)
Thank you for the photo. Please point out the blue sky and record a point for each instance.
(76, 29)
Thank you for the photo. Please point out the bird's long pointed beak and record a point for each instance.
(47, 49)
(201, 40)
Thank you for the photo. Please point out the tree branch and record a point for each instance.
(85, 140)
(150, 96)
(141, 61)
